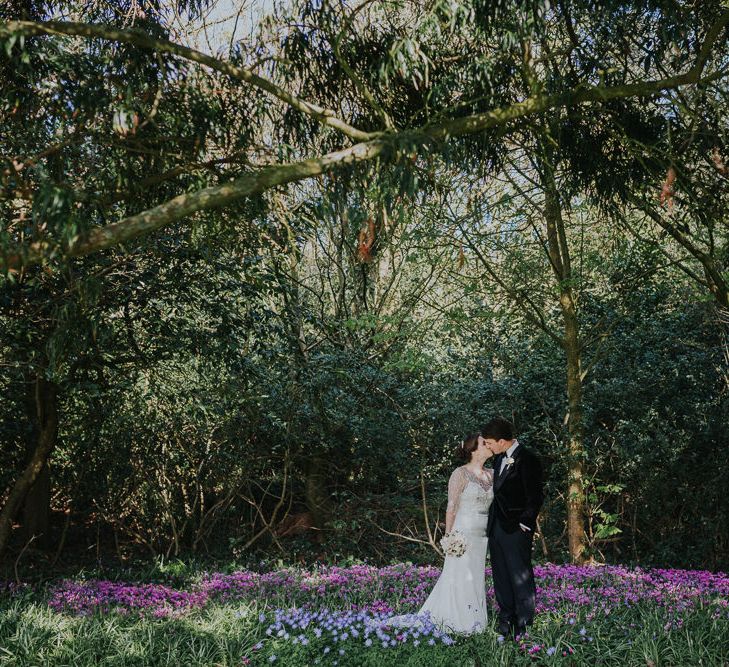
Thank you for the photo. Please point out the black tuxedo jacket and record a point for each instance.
(518, 492)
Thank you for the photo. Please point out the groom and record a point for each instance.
(512, 521)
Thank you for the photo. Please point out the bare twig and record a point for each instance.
(20, 555)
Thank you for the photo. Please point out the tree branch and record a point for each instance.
(184, 205)
(715, 280)
(144, 41)
(272, 176)
(356, 80)
(522, 299)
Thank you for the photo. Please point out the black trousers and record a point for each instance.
(511, 565)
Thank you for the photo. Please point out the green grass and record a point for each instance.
(230, 632)
(32, 634)
(702, 641)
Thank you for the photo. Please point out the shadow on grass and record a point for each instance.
(32, 634)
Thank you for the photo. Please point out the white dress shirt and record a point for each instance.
(509, 454)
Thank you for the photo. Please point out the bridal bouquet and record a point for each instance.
(454, 544)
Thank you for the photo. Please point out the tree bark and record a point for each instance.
(560, 259)
(576, 511)
(46, 398)
(37, 508)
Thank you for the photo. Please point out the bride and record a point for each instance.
(457, 603)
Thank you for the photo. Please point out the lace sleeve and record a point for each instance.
(456, 484)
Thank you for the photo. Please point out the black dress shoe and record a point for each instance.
(505, 629)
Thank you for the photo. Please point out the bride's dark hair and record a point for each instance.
(466, 447)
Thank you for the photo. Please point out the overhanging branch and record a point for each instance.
(144, 41)
(272, 176)
(184, 205)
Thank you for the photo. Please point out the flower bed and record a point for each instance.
(337, 615)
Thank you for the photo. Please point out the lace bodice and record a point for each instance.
(457, 484)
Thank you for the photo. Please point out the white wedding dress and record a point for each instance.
(457, 603)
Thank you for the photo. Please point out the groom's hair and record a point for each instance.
(498, 429)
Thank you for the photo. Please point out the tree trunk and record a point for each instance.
(561, 264)
(318, 501)
(576, 511)
(47, 410)
(314, 464)
(36, 508)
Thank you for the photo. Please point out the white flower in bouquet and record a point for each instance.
(454, 544)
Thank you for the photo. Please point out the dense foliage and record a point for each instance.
(198, 402)
(287, 369)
